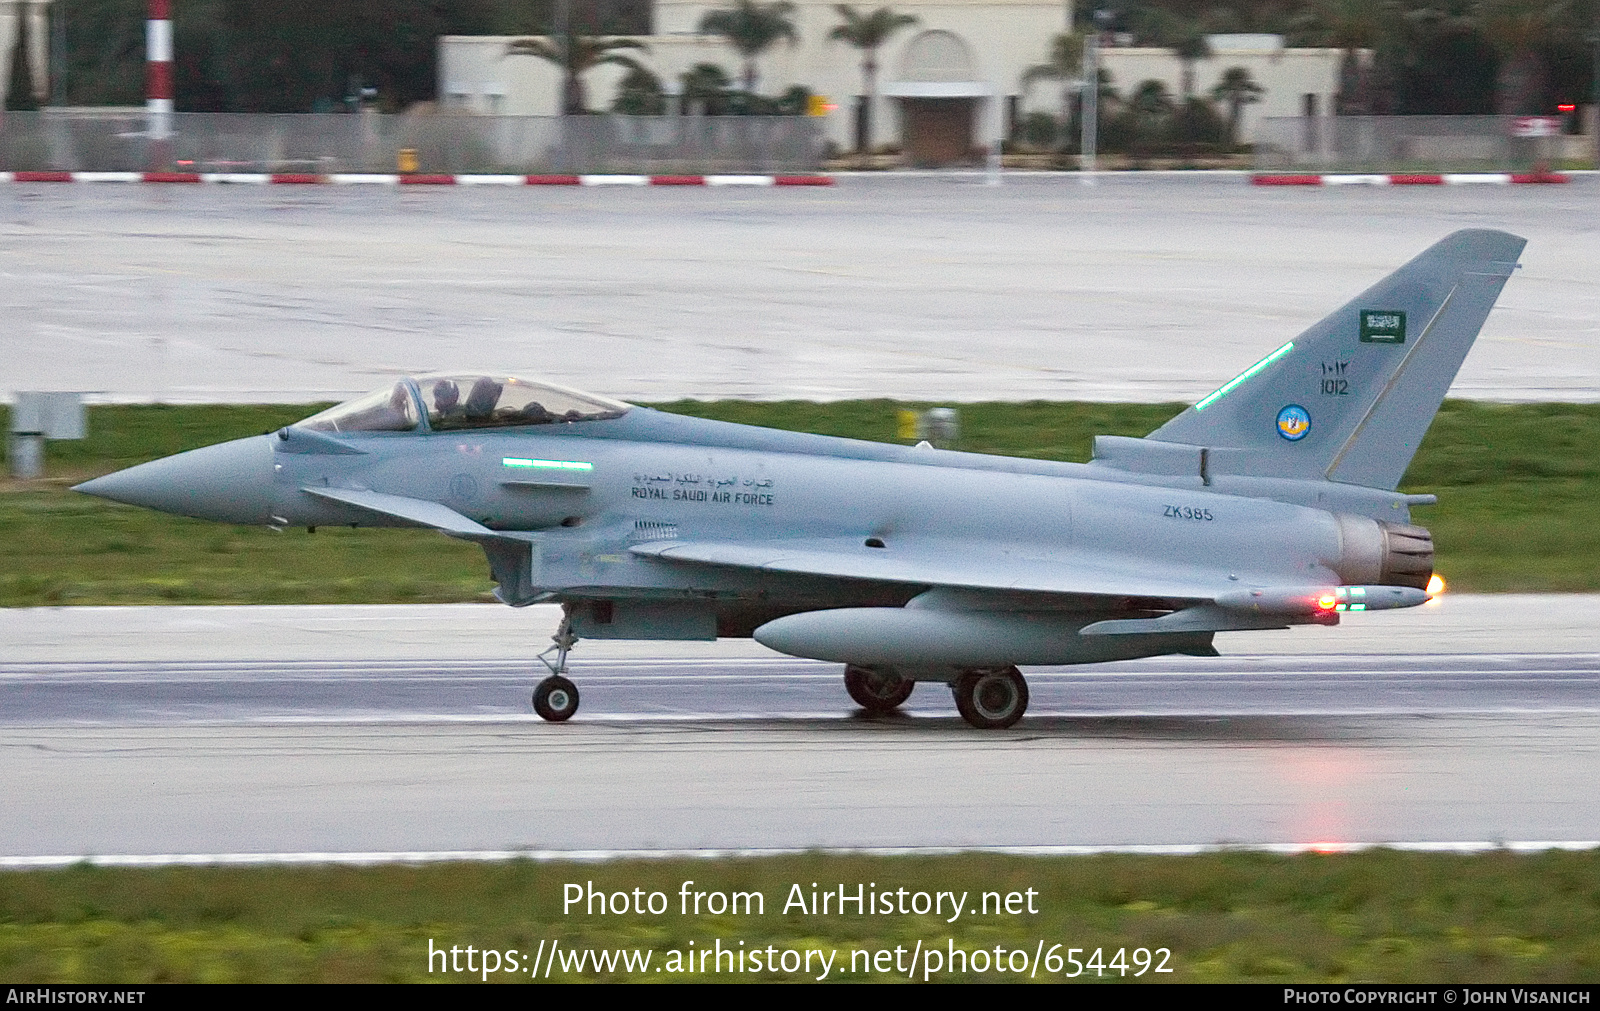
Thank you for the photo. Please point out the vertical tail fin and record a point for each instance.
(1350, 399)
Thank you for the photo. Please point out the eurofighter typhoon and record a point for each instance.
(1270, 503)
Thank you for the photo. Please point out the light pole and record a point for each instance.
(997, 119)
(1091, 96)
(564, 33)
(1594, 84)
(1090, 106)
(58, 55)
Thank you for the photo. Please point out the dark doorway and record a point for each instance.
(937, 131)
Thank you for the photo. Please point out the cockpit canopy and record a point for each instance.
(441, 403)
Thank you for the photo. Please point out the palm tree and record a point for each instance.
(1186, 37)
(1151, 99)
(1353, 25)
(639, 94)
(1189, 45)
(868, 32)
(1517, 29)
(1065, 65)
(1236, 90)
(575, 55)
(752, 28)
(706, 85)
(1148, 114)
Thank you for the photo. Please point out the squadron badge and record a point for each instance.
(1294, 422)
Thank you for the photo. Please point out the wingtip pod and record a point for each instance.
(1350, 398)
(1310, 601)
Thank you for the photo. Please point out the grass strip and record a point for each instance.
(1379, 915)
(1516, 484)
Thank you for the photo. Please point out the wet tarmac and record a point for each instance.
(1145, 287)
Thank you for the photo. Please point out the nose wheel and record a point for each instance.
(991, 698)
(556, 698)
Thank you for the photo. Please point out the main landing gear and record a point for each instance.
(877, 691)
(556, 698)
(989, 698)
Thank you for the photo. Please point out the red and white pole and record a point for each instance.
(158, 69)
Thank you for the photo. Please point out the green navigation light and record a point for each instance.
(516, 461)
(1246, 374)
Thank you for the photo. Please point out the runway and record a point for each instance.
(1145, 288)
(773, 691)
(799, 783)
(191, 737)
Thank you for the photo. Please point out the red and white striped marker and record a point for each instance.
(158, 69)
(1410, 179)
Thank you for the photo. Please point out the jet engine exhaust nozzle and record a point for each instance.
(1384, 554)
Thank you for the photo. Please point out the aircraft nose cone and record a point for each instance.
(230, 482)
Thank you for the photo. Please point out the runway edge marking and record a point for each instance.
(382, 857)
(414, 179)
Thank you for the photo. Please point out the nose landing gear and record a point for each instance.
(556, 698)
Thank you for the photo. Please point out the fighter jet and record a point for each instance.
(1270, 503)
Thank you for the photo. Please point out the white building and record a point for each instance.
(1296, 82)
(951, 82)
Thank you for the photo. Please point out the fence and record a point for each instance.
(60, 140)
(1399, 144)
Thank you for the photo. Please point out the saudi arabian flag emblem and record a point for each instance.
(1383, 326)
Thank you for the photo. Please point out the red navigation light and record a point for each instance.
(1565, 107)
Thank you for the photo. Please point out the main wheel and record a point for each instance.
(556, 698)
(991, 698)
(877, 691)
